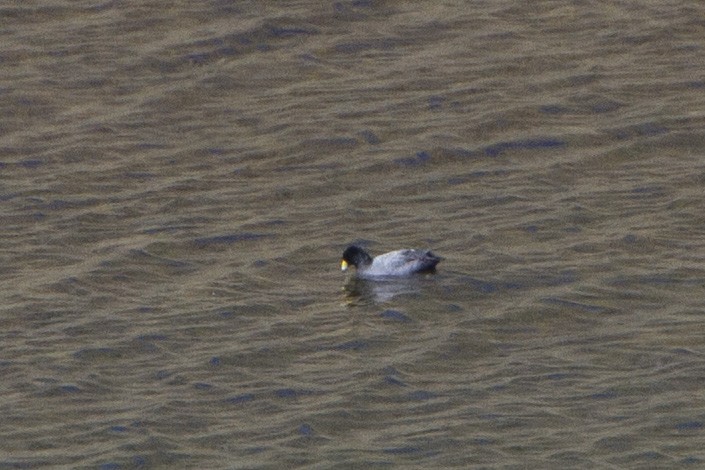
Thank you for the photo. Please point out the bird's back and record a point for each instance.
(402, 263)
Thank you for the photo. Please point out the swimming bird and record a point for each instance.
(394, 263)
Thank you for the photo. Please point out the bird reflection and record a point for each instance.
(379, 290)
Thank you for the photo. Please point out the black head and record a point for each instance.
(355, 256)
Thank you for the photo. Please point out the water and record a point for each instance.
(178, 184)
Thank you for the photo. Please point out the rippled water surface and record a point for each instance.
(179, 180)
